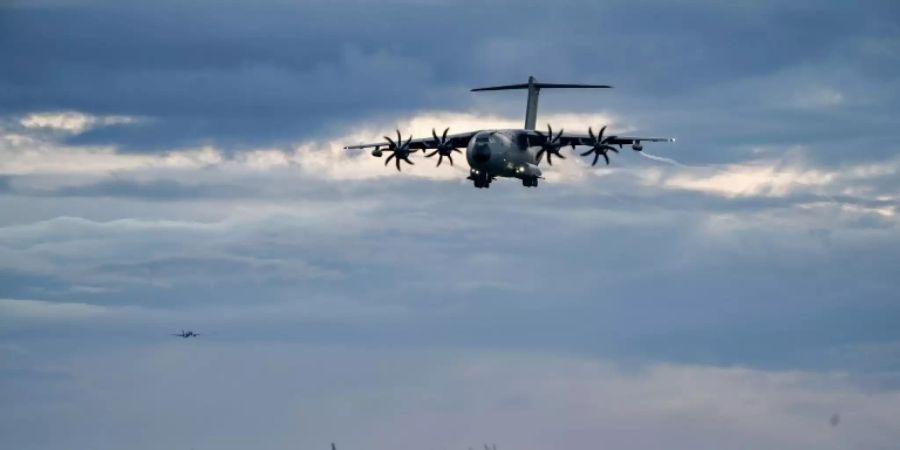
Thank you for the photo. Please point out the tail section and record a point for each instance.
(534, 89)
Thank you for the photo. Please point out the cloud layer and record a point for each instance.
(172, 166)
(288, 395)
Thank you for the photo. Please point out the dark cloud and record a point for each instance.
(239, 75)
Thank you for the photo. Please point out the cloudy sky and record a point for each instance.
(169, 165)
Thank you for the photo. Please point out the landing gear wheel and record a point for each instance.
(482, 181)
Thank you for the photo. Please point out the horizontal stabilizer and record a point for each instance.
(534, 88)
(542, 86)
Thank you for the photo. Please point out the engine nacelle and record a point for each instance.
(637, 146)
(377, 152)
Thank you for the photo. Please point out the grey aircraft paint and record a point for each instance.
(503, 153)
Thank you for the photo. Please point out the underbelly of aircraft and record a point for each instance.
(503, 162)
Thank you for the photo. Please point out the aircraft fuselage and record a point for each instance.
(502, 153)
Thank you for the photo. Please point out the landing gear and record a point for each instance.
(530, 182)
(481, 179)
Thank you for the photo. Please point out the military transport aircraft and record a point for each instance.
(186, 334)
(508, 153)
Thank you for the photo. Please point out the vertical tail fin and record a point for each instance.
(534, 89)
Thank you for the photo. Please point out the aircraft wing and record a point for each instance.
(572, 139)
(460, 140)
(600, 144)
(612, 140)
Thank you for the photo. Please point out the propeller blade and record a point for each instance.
(591, 134)
(444, 136)
(386, 161)
(431, 154)
(397, 161)
(393, 145)
(440, 158)
(606, 158)
(596, 157)
(399, 138)
(587, 152)
(451, 159)
(600, 134)
(434, 134)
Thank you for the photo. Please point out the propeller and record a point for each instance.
(399, 149)
(442, 147)
(600, 146)
(551, 145)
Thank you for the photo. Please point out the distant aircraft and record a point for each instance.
(186, 334)
(514, 153)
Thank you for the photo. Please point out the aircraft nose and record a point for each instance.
(481, 154)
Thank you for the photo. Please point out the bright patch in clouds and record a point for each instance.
(12, 311)
(765, 179)
(324, 159)
(773, 178)
(72, 121)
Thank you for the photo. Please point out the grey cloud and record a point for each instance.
(296, 71)
(283, 395)
(721, 273)
(155, 190)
